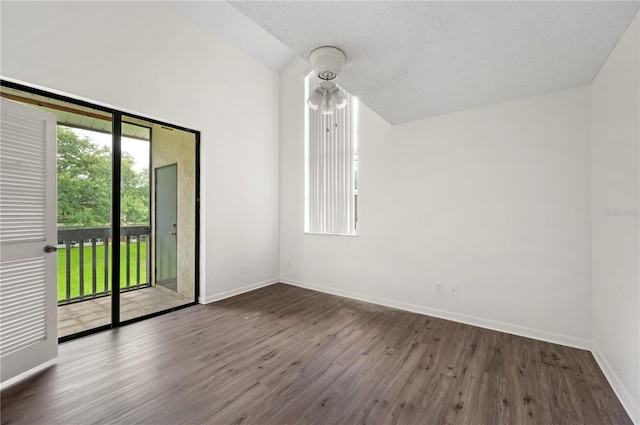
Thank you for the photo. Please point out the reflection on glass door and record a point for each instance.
(165, 239)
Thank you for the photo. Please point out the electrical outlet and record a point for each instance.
(453, 290)
(438, 287)
(244, 268)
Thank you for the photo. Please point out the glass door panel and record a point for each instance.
(157, 246)
(84, 167)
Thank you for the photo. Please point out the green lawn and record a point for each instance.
(88, 285)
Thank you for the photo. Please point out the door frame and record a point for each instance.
(117, 116)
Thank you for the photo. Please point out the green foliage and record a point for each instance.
(84, 184)
(84, 181)
(134, 199)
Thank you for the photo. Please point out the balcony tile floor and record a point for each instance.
(84, 315)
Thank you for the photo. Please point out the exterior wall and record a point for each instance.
(171, 146)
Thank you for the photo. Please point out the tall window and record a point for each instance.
(330, 167)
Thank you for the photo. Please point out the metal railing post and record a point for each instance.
(74, 288)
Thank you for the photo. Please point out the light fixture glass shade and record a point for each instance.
(315, 100)
(327, 107)
(338, 99)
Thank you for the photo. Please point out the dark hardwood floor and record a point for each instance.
(285, 355)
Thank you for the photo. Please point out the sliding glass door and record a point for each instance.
(127, 208)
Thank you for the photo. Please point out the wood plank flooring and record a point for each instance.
(284, 355)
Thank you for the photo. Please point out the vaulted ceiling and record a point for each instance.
(410, 60)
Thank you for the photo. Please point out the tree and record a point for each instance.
(134, 197)
(84, 184)
(84, 181)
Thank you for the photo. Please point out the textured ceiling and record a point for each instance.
(411, 60)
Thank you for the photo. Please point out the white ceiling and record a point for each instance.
(222, 19)
(410, 60)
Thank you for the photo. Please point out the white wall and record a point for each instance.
(141, 57)
(495, 200)
(615, 121)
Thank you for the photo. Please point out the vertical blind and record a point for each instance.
(330, 169)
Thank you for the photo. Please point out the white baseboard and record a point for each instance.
(238, 291)
(456, 317)
(630, 405)
(24, 375)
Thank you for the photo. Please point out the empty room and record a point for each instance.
(320, 212)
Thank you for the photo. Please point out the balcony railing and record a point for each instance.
(80, 284)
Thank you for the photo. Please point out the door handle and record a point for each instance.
(49, 249)
(172, 233)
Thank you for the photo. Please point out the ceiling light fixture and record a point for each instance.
(327, 63)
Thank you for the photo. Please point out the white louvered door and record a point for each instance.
(28, 326)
